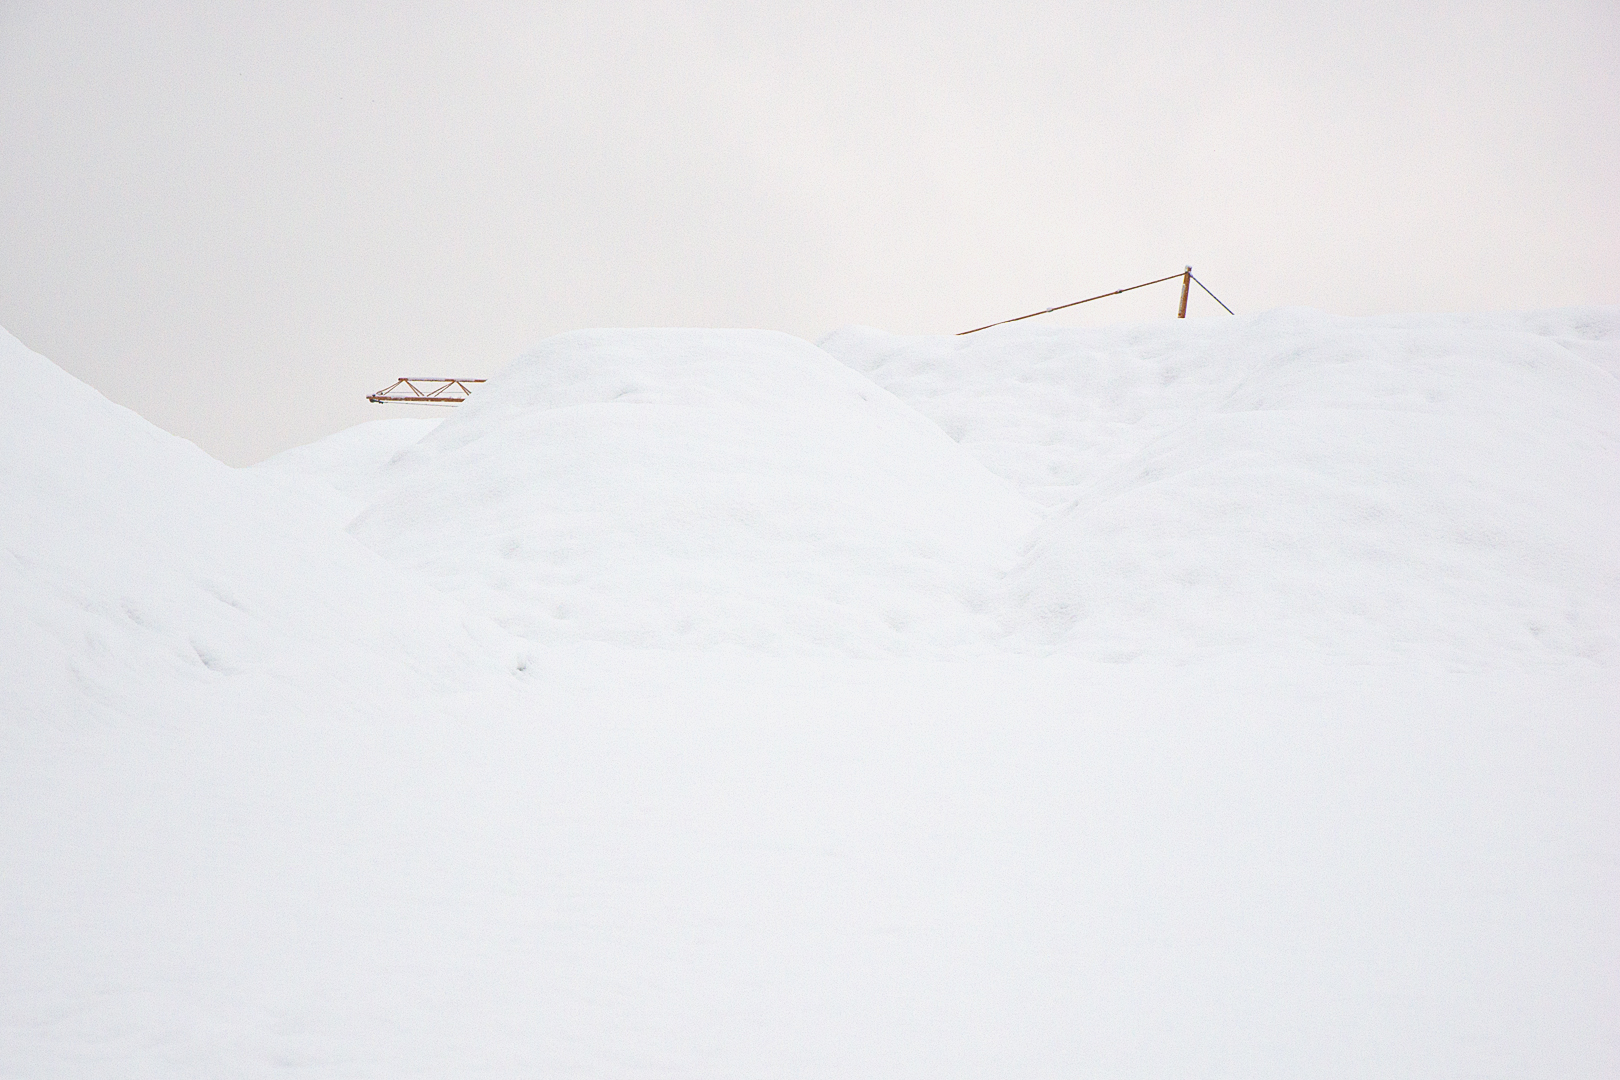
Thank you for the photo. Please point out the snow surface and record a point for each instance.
(693, 488)
(1415, 487)
(133, 562)
(1228, 698)
(339, 470)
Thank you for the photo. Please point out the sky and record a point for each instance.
(239, 219)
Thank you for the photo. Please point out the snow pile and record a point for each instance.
(1444, 488)
(134, 567)
(691, 488)
(1438, 487)
(275, 800)
(339, 472)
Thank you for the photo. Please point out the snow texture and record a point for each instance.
(1228, 698)
(693, 488)
(1356, 488)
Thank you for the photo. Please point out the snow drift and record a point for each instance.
(531, 743)
(338, 473)
(1439, 487)
(1444, 488)
(134, 567)
(689, 488)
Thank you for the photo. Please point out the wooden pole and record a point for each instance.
(1186, 283)
(1077, 303)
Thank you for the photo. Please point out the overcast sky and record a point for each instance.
(240, 219)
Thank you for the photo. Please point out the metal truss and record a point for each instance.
(414, 391)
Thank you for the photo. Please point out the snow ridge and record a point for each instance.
(1226, 698)
(1442, 487)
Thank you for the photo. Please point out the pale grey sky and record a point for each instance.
(238, 219)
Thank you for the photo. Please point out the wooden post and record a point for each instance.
(1186, 283)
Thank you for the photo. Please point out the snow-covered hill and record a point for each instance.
(1229, 698)
(135, 570)
(1435, 488)
(691, 488)
(1445, 488)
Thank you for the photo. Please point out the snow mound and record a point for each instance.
(340, 471)
(270, 803)
(134, 567)
(1435, 487)
(692, 488)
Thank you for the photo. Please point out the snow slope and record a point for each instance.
(1196, 722)
(137, 569)
(692, 488)
(340, 471)
(1443, 487)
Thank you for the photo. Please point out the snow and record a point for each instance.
(695, 488)
(338, 471)
(1228, 697)
(1359, 488)
(136, 567)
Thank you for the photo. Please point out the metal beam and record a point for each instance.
(439, 391)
